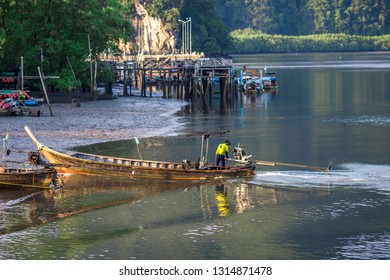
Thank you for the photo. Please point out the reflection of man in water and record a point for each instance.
(222, 200)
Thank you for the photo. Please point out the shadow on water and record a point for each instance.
(23, 208)
(96, 217)
(137, 213)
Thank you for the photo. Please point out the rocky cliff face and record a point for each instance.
(153, 37)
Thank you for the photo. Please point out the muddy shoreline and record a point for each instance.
(109, 119)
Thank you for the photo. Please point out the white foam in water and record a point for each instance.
(366, 119)
(16, 201)
(348, 174)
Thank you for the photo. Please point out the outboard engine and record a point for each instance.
(187, 163)
(239, 154)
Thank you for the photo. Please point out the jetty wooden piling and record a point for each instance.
(192, 78)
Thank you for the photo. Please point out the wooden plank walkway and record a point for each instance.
(187, 77)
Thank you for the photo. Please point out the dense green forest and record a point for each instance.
(306, 17)
(60, 35)
(251, 41)
(64, 36)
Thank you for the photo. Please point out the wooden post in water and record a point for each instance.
(150, 82)
(180, 81)
(136, 75)
(124, 80)
(164, 80)
(211, 88)
(222, 86)
(177, 85)
(143, 89)
(169, 83)
(207, 91)
(130, 80)
(186, 84)
(190, 84)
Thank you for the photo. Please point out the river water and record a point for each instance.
(328, 109)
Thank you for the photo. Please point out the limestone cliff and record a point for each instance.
(153, 36)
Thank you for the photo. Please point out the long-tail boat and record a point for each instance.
(83, 163)
(34, 177)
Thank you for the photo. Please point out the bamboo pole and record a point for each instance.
(44, 90)
(22, 73)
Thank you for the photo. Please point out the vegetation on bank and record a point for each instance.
(251, 41)
(305, 17)
(62, 37)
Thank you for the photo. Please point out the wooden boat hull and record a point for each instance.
(81, 163)
(32, 178)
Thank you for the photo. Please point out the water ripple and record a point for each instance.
(348, 174)
(371, 120)
(365, 246)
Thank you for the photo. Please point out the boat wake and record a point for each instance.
(348, 174)
(13, 202)
(363, 120)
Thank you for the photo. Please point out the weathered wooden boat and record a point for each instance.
(34, 177)
(83, 163)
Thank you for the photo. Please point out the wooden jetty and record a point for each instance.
(187, 77)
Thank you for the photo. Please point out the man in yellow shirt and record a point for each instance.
(222, 153)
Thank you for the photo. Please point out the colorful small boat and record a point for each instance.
(16, 102)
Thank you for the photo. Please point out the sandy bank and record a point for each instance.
(92, 122)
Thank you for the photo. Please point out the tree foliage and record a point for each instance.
(301, 17)
(56, 35)
(209, 34)
(59, 29)
(251, 41)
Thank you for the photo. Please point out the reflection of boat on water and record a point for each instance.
(72, 183)
(34, 177)
(86, 193)
(79, 194)
(82, 163)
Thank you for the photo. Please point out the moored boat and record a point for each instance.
(34, 177)
(253, 86)
(83, 163)
(269, 82)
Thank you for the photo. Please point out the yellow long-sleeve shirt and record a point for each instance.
(222, 149)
